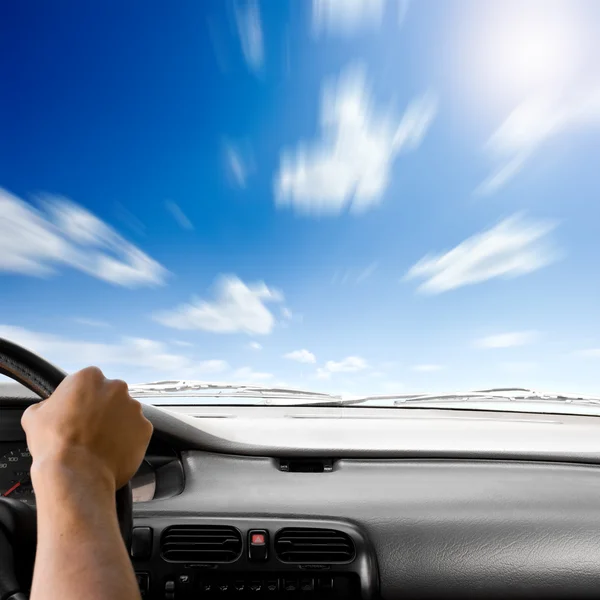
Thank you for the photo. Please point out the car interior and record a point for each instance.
(315, 502)
(344, 253)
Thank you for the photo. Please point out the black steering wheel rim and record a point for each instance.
(42, 378)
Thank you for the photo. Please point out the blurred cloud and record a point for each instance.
(91, 322)
(287, 316)
(237, 308)
(301, 356)
(248, 375)
(366, 273)
(347, 17)
(239, 163)
(76, 354)
(247, 18)
(427, 368)
(349, 364)
(181, 343)
(403, 6)
(323, 373)
(255, 346)
(178, 215)
(238, 158)
(212, 366)
(350, 166)
(129, 219)
(217, 38)
(36, 243)
(513, 247)
(518, 367)
(354, 275)
(128, 354)
(531, 124)
(507, 340)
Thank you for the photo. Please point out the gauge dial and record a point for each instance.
(15, 480)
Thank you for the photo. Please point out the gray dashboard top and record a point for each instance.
(367, 432)
(440, 528)
(447, 513)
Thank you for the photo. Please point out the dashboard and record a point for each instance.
(160, 475)
(287, 502)
(15, 480)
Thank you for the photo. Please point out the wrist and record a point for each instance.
(72, 469)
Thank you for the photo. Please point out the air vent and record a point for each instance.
(201, 544)
(303, 465)
(308, 546)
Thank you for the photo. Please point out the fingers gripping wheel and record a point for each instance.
(43, 378)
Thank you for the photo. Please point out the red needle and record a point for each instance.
(12, 489)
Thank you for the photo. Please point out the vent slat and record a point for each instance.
(201, 543)
(309, 545)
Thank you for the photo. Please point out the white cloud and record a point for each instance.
(181, 343)
(212, 366)
(127, 354)
(251, 37)
(353, 275)
(427, 368)
(350, 166)
(129, 220)
(347, 17)
(76, 354)
(236, 166)
(367, 272)
(286, 313)
(513, 247)
(507, 340)
(35, 243)
(255, 346)
(301, 356)
(91, 322)
(248, 375)
(530, 125)
(179, 215)
(237, 307)
(349, 364)
(323, 373)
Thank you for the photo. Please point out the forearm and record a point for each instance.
(80, 552)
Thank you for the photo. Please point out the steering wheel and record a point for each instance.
(18, 520)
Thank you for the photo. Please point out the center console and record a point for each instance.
(197, 557)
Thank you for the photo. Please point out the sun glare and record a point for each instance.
(522, 48)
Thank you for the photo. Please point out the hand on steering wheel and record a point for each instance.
(91, 426)
(87, 425)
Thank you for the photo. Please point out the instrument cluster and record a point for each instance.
(15, 478)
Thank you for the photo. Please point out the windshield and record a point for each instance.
(259, 201)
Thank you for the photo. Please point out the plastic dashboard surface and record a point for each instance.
(440, 528)
(465, 506)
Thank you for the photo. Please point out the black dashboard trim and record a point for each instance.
(364, 564)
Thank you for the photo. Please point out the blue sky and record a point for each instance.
(358, 196)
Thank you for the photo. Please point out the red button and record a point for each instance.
(258, 539)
